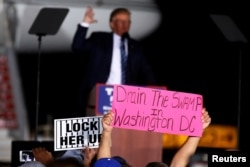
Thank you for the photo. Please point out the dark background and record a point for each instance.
(188, 53)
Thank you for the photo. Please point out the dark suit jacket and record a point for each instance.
(98, 51)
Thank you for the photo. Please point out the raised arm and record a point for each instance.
(105, 143)
(79, 39)
(183, 155)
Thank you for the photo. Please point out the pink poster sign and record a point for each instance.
(157, 110)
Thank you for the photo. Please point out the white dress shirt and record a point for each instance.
(115, 70)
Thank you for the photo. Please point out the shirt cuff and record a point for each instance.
(84, 24)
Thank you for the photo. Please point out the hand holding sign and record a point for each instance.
(205, 119)
(107, 122)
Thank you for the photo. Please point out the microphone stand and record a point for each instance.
(38, 84)
(47, 22)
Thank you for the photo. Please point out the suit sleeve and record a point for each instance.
(79, 39)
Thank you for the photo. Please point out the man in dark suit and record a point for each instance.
(103, 56)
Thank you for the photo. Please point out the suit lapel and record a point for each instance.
(109, 47)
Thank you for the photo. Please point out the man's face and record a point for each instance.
(120, 23)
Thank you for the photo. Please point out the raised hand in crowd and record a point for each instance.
(183, 155)
(42, 155)
(89, 156)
